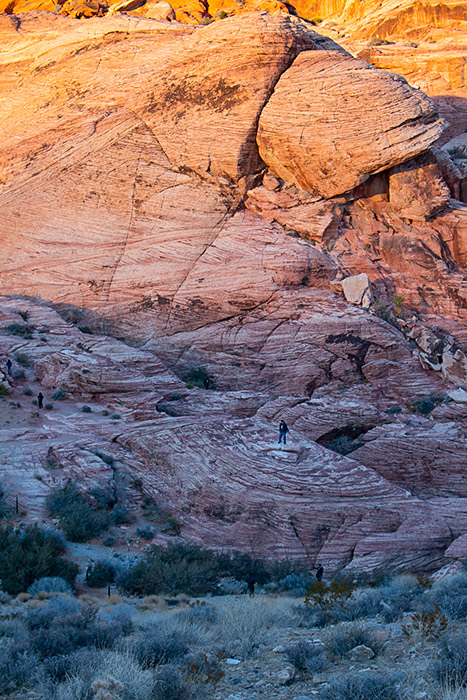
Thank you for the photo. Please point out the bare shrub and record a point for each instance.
(364, 686)
(306, 657)
(169, 685)
(154, 649)
(344, 637)
(450, 595)
(451, 666)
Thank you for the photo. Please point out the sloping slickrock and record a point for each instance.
(348, 120)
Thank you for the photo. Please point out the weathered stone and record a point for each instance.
(357, 290)
(361, 653)
(349, 120)
(417, 189)
(286, 676)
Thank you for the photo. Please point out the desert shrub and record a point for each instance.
(429, 624)
(344, 637)
(457, 152)
(364, 686)
(100, 574)
(200, 613)
(22, 360)
(86, 409)
(120, 514)
(197, 377)
(27, 391)
(169, 685)
(78, 518)
(58, 395)
(154, 649)
(391, 599)
(57, 668)
(17, 666)
(178, 568)
(306, 657)
(146, 533)
(329, 599)
(295, 584)
(115, 416)
(18, 374)
(21, 329)
(55, 632)
(426, 404)
(48, 406)
(393, 410)
(50, 584)
(186, 568)
(4, 390)
(451, 666)
(450, 595)
(376, 41)
(29, 553)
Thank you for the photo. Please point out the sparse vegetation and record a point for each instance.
(58, 395)
(21, 329)
(29, 553)
(79, 519)
(198, 377)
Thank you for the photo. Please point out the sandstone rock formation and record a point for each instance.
(134, 197)
(340, 107)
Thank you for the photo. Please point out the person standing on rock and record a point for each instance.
(40, 399)
(250, 582)
(319, 572)
(8, 366)
(283, 430)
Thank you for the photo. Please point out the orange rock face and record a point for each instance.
(348, 121)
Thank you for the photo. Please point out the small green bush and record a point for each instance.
(197, 377)
(155, 648)
(4, 390)
(100, 574)
(77, 517)
(86, 409)
(58, 395)
(27, 391)
(29, 553)
(48, 406)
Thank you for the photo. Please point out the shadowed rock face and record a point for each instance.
(132, 186)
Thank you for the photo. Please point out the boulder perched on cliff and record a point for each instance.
(332, 121)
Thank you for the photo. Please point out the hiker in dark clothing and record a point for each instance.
(250, 582)
(40, 399)
(283, 430)
(8, 366)
(206, 382)
(319, 572)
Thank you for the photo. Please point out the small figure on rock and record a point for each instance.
(250, 582)
(319, 572)
(283, 430)
(8, 366)
(206, 382)
(40, 399)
